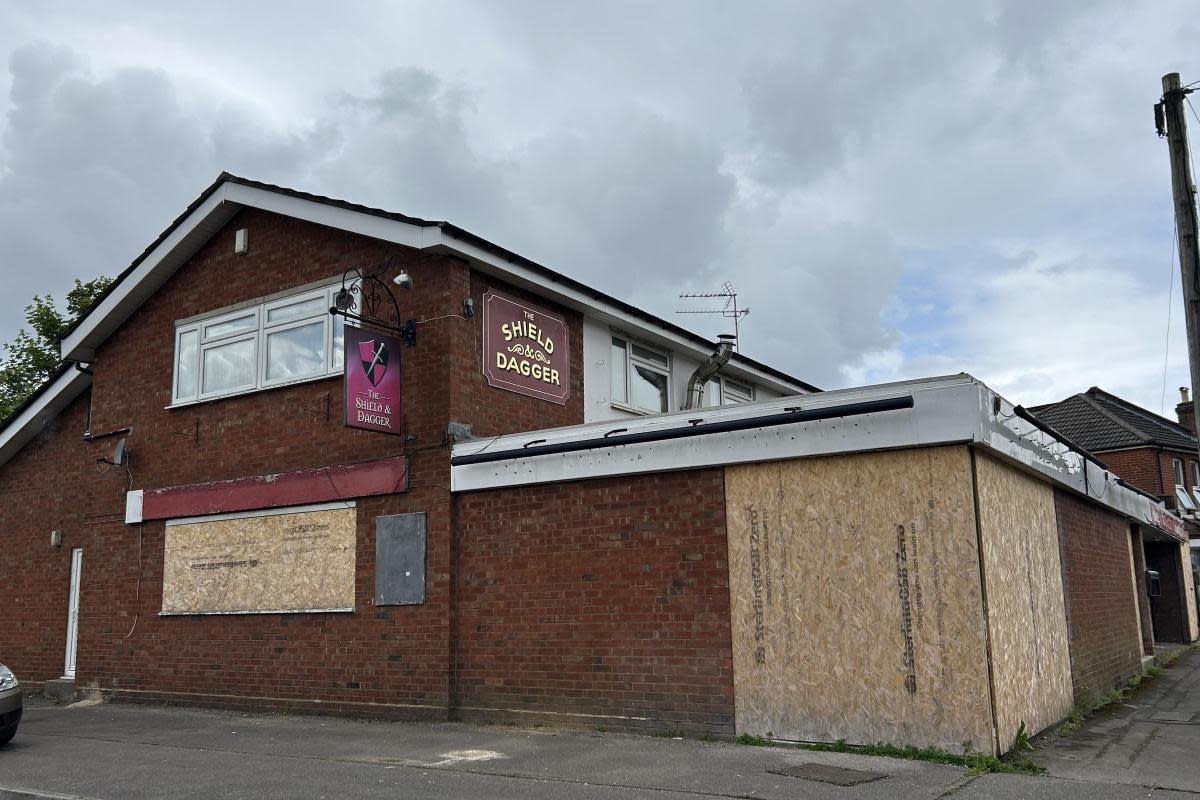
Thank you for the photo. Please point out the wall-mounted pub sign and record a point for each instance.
(525, 349)
(372, 371)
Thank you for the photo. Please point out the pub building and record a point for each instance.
(310, 455)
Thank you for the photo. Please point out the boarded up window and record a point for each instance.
(400, 560)
(290, 559)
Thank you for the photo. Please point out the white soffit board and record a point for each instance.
(389, 230)
(52, 401)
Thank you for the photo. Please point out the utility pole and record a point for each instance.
(1169, 113)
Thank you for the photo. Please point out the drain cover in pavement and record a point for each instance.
(838, 776)
(1173, 716)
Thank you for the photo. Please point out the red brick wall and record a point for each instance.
(491, 410)
(606, 598)
(1100, 599)
(1151, 469)
(1141, 468)
(397, 659)
(53, 484)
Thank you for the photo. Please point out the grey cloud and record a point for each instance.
(817, 155)
(815, 288)
(404, 146)
(630, 201)
(96, 167)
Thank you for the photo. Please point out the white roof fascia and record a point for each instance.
(944, 411)
(346, 219)
(949, 410)
(175, 249)
(46, 407)
(1023, 442)
(432, 237)
(158, 265)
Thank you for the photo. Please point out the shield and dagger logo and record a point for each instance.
(375, 359)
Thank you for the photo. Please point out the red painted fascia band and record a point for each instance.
(322, 485)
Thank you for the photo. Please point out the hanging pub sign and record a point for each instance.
(372, 373)
(525, 349)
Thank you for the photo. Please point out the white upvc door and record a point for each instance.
(73, 612)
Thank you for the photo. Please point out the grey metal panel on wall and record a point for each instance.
(400, 560)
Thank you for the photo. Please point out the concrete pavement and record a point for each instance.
(1152, 740)
(119, 751)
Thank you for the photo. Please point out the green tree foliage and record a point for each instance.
(33, 356)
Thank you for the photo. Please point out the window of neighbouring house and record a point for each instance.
(1183, 500)
(734, 393)
(1177, 466)
(721, 391)
(281, 340)
(641, 377)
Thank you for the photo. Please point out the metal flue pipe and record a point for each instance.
(695, 387)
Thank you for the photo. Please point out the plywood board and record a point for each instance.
(274, 562)
(856, 600)
(1027, 620)
(1189, 584)
(1133, 577)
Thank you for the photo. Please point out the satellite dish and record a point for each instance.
(119, 455)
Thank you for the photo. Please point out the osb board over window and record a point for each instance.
(1190, 591)
(259, 564)
(856, 601)
(1027, 621)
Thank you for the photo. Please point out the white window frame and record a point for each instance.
(726, 397)
(1177, 469)
(736, 396)
(632, 360)
(258, 333)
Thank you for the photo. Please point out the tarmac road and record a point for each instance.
(120, 752)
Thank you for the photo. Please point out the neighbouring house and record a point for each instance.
(458, 484)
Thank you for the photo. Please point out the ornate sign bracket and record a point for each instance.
(366, 298)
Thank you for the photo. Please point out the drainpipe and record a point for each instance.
(695, 387)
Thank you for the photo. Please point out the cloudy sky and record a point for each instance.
(895, 189)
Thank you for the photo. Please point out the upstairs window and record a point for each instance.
(734, 393)
(279, 341)
(641, 377)
(1177, 466)
(721, 391)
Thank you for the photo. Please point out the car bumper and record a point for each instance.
(10, 709)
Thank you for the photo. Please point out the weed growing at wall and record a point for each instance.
(1087, 704)
(974, 761)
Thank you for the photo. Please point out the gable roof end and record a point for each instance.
(229, 193)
